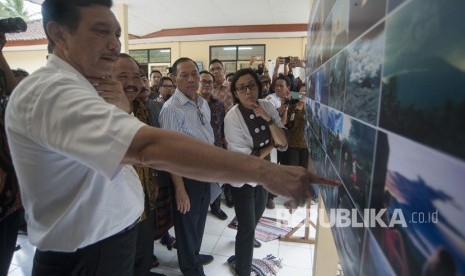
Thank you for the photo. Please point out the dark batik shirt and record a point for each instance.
(218, 111)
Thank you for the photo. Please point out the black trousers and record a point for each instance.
(189, 227)
(111, 256)
(8, 236)
(249, 204)
(297, 157)
(216, 205)
(144, 247)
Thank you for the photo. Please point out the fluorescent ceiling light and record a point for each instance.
(165, 51)
(245, 48)
(229, 48)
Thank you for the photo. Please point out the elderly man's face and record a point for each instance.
(127, 72)
(187, 78)
(94, 46)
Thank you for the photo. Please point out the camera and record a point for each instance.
(260, 69)
(12, 25)
(295, 97)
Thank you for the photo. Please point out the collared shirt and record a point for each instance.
(183, 115)
(275, 100)
(237, 132)
(67, 145)
(223, 93)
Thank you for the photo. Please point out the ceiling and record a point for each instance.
(156, 20)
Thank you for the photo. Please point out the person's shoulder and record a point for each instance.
(154, 104)
(265, 103)
(232, 111)
(270, 97)
(217, 102)
(172, 106)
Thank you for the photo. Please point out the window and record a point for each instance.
(160, 56)
(235, 57)
(140, 55)
(151, 56)
(153, 59)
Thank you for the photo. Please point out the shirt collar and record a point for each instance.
(54, 61)
(183, 100)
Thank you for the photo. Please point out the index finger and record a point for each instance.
(325, 181)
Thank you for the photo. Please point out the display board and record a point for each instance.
(386, 115)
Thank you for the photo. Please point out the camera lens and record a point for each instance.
(12, 25)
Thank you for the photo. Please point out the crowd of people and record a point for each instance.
(104, 160)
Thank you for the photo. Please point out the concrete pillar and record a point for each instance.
(122, 16)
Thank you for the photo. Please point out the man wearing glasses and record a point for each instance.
(188, 113)
(166, 89)
(221, 90)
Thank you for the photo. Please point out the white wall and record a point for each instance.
(30, 58)
(27, 60)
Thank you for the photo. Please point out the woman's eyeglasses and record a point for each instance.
(243, 88)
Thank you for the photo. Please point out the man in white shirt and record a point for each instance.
(72, 150)
(280, 99)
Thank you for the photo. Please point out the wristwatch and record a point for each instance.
(271, 121)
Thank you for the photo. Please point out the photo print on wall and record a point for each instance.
(402, 101)
(358, 143)
(423, 93)
(365, 59)
(426, 186)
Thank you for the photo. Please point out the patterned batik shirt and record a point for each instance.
(223, 93)
(218, 111)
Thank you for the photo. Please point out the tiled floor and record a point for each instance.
(218, 241)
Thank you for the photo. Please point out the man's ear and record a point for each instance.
(173, 78)
(58, 34)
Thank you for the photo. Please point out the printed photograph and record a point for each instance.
(358, 145)
(364, 76)
(363, 15)
(315, 23)
(374, 261)
(337, 80)
(349, 240)
(323, 115)
(312, 59)
(326, 40)
(424, 190)
(319, 84)
(340, 26)
(423, 96)
(328, 6)
(332, 122)
(392, 4)
(313, 118)
(324, 82)
(330, 194)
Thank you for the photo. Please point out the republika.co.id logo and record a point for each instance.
(374, 218)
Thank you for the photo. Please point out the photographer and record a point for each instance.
(261, 68)
(10, 203)
(280, 99)
(297, 153)
(289, 63)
